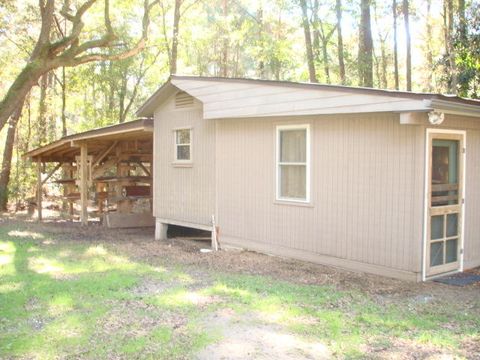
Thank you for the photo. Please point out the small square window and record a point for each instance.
(183, 145)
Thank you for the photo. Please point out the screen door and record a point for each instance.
(444, 202)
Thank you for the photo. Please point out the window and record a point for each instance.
(183, 145)
(293, 168)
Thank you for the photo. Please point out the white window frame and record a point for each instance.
(307, 164)
(176, 145)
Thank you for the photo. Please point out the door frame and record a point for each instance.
(426, 199)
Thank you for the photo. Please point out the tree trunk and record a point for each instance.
(7, 157)
(429, 47)
(395, 45)
(341, 57)
(176, 29)
(308, 42)
(449, 40)
(64, 102)
(319, 35)
(27, 78)
(325, 61)
(408, 42)
(384, 65)
(122, 114)
(381, 60)
(462, 25)
(365, 49)
(42, 112)
(224, 62)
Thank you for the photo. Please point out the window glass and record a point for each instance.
(293, 181)
(293, 145)
(183, 152)
(183, 136)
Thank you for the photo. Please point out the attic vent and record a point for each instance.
(183, 100)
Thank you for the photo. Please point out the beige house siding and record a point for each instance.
(366, 189)
(184, 194)
(367, 170)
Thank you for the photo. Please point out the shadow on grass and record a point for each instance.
(59, 299)
(51, 300)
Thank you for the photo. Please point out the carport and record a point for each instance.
(110, 167)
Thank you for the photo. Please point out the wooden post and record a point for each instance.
(39, 189)
(83, 184)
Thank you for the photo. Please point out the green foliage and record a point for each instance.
(61, 298)
(467, 48)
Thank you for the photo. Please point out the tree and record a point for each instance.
(125, 101)
(42, 118)
(395, 45)
(462, 23)
(341, 56)
(408, 44)
(449, 58)
(176, 24)
(179, 9)
(467, 49)
(365, 49)
(68, 50)
(382, 63)
(308, 42)
(322, 34)
(428, 49)
(7, 157)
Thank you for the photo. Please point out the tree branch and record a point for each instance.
(77, 26)
(46, 12)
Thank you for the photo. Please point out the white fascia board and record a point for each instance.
(455, 108)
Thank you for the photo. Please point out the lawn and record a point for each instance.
(64, 295)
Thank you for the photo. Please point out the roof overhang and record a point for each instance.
(266, 98)
(151, 104)
(454, 108)
(138, 129)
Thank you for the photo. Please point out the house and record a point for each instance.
(379, 181)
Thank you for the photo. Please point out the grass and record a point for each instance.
(60, 298)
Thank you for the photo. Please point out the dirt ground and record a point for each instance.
(139, 245)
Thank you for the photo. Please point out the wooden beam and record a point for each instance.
(51, 173)
(39, 189)
(83, 184)
(139, 163)
(100, 157)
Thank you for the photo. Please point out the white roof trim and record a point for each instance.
(449, 107)
(224, 98)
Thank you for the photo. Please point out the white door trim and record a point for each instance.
(427, 190)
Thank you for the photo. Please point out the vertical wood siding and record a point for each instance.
(366, 186)
(184, 194)
(472, 199)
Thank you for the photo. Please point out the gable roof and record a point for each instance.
(232, 97)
